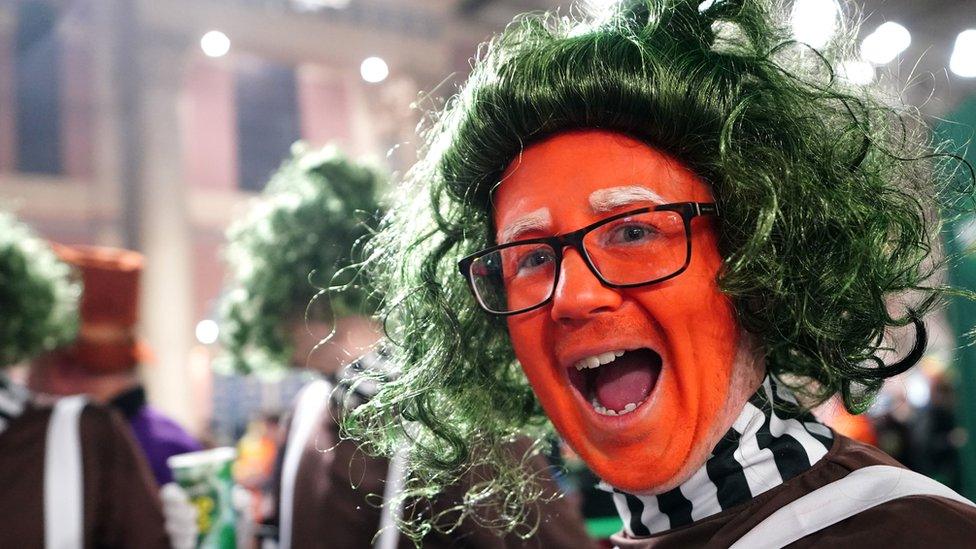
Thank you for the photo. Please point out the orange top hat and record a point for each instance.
(107, 341)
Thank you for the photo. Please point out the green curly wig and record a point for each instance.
(38, 295)
(291, 250)
(828, 193)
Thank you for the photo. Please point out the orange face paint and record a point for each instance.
(570, 181)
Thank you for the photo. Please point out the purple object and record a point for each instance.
(159, 436)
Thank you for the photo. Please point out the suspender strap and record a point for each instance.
(63, 500)
(389, 534)
(858, 491)
(312, 403)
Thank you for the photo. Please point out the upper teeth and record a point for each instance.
(598, 360)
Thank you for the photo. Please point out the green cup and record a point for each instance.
(206, 477)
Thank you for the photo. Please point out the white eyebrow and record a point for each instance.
(607, 200)
(538, 220)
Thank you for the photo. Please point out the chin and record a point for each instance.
(625, 408)
(636, 448)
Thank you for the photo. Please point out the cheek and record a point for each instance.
(532, 344)
(701, 338)
(712, 344)
(529, 340)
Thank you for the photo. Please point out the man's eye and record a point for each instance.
(631, 234)
(535, 259)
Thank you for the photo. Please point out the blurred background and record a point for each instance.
(148, 124)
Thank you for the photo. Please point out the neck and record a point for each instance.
(770, 442)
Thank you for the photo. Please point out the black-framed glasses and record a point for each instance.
(634, 248)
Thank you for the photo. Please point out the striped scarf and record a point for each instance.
(770, 443)
(13, 400)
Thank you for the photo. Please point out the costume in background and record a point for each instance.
(338, 476)
(120, 505)
(327, 491)
(108, 345)
(159, 436)
(112, 501)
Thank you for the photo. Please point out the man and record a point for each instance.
(302, 231)
(683, 230)
(71, 474)
(102, 361)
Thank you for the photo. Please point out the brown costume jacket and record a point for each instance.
(121, 505)
(338, 490)
(917, 521)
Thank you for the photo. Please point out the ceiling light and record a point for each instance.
(207, 331)
(857, 72)
(884, 44)
(215, 44)
(814, 22)
(963, 59)
(316, 5)
(374, 69)
(601, 10)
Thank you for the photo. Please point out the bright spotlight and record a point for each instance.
(917, 390)
(316, 5)
(207, 331)
(857, 72)
(814, 22)
(374, 69)
(884, 44)
(215, 44)
(601, 9)
(963, 60)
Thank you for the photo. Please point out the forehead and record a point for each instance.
(566, 173)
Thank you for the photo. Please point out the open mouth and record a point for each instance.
(616, 383)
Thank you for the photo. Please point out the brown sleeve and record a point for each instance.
(916, 521)
(337, 480)
(557, 519)
(122, 507)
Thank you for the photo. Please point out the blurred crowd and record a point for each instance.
(291, 325)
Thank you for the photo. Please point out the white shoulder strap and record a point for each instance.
(312, 402)
(63, 477)
(858, 491)
(389, 537)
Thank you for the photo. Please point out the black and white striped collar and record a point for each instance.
(770, 442)
(13, 401)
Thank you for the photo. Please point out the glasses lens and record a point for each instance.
(639, 248)
(514, 278)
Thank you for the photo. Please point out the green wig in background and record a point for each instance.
(298, 235)
(827, 192)
(38, 295)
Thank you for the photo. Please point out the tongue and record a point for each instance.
(628, 379)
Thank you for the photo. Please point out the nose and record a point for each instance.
(580, 294)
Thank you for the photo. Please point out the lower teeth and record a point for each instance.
(630, 407)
